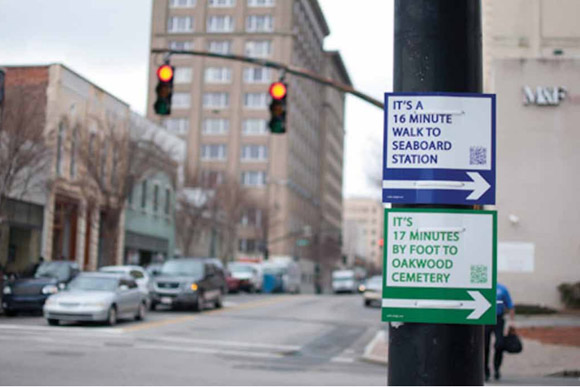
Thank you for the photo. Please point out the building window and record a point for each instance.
(259, 23)
(256, 75)
(155, 197)
(220, 24)
(73, 153)
(251, 217)
(179, 126)
(216, 126)
(222, 3)
(248, 245)
(220, 47)
(182, 3)
(261, 3)
(183, 75)
(180, 24)
(180, 45)
(144, 194)
(218, 75)
(255, 100)
(167, 200)
(254, 126)
(60, 148)
(258, 48)
(211, 178)
(213, 152)
(216, 100)
(254, 153)
(254, 178)
(181, 100)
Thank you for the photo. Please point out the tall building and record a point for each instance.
(532, 62)
(221, 108)
(363, 236)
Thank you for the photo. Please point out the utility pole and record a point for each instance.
(437, 49)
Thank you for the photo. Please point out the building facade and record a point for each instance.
(221, 108)
(363, 225)
(532, 62)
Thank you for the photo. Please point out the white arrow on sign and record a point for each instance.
(479, 305)
(478, 185)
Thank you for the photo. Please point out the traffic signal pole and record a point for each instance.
(437, 49)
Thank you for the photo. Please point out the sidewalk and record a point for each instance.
(551, 346)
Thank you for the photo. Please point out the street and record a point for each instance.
(253, 340)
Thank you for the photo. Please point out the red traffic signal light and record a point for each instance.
(278, 90)
(164, 90)
(165, 73)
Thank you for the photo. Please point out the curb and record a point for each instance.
(378, 340)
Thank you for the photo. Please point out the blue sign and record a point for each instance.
(439, 148)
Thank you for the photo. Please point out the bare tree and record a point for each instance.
(25, 152)
(112, 161)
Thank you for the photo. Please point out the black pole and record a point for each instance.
(437, 48)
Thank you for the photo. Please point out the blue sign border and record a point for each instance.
(438, 196)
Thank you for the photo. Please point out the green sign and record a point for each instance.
(440, 266)
(302, 242)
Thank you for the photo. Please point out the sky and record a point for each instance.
(107, 42)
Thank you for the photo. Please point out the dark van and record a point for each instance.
(189, 282)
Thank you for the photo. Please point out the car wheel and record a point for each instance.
(9, 313)
(53, 322)
(153, 305)
(367, 302)
(112, 316)
(200, 306)
(219, 301)
(141, 311)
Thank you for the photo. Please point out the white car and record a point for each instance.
(250, 275)
(140, 275)
(373, 291)
(101, 297)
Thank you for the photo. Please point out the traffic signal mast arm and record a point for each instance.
(299, 72)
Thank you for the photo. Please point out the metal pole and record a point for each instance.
(437, 48)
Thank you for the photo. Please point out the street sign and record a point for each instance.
(439, 148)
(439, 266)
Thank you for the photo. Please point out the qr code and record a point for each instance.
(478, 274)
(477, 155)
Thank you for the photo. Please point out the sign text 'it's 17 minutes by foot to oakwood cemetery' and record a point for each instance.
(439, 148)
(439, 266)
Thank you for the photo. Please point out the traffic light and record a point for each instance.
(278, 92)
(164, 90)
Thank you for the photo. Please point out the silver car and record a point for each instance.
(97, 297)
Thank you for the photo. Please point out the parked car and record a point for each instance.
(99, 296)
(189, 282)
(373, 291)
(29, 294)
(344, 281)
(139, 274)
(232, 282)
(249, 275)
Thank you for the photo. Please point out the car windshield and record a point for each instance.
(52, 270)
(91, 283)
(183, 267)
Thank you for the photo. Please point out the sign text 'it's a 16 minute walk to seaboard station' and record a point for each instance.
(439, 148)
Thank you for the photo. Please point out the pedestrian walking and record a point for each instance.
(504, 305)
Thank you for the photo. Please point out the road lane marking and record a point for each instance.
(222, 343)
(339, 359)
(263, 355)
(63, 329)
(243, 306)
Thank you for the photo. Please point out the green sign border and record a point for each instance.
(442, 316)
